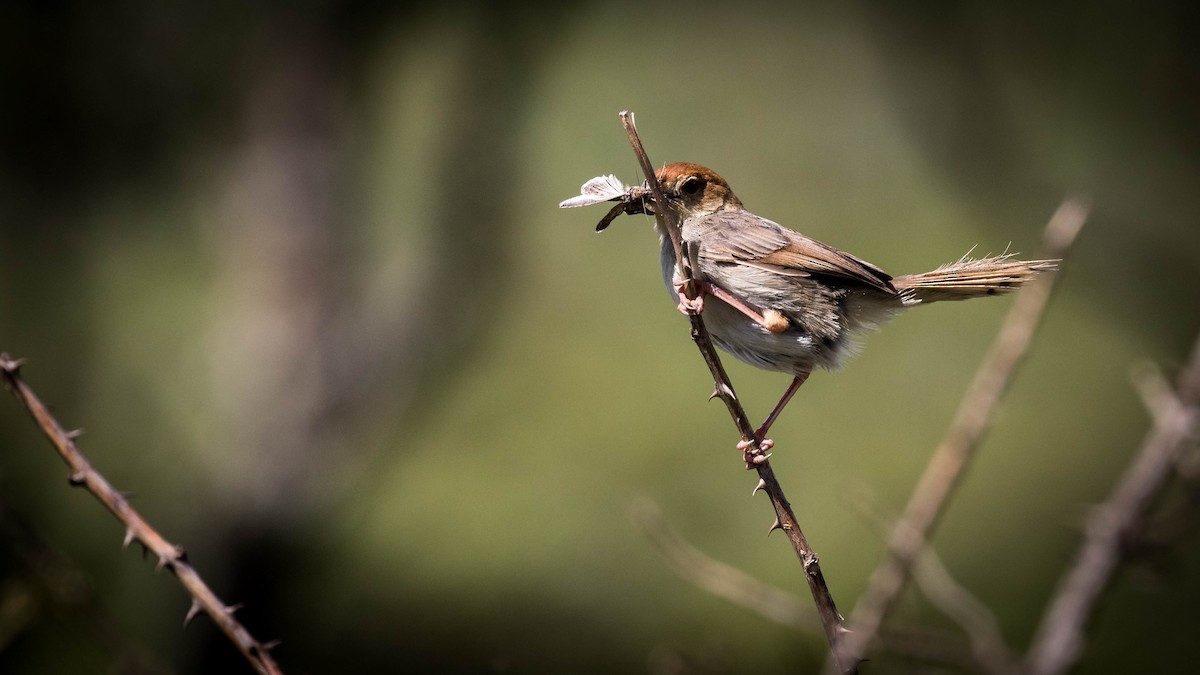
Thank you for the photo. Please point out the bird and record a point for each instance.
(779, 300)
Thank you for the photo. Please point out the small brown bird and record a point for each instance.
(777, 299)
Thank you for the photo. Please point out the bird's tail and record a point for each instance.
(970, 278)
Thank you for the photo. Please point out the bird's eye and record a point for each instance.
(691, 185)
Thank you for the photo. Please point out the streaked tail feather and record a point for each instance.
(970, 278)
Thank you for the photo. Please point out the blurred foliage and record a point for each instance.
(298, 270)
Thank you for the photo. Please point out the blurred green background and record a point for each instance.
(298, 270)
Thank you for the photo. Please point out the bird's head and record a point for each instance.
(695, 190)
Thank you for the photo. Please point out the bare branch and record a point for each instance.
(831, 620)
(1156, 392)
(1059, 639)
(168, 555)
(949, 462)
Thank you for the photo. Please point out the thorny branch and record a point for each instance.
(950, 460)
(1059, 639)
(785, 519)
(169, 555)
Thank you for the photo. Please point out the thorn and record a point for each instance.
(192, 612)
(177, 555)
(233, 608)
(74, 433)
(775, 526)
(722, 391)
(268, 646)
(10, 365)
(762, 485)
(77, 478)
(129, 537)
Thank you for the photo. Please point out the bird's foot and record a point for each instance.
(754, 451)
(690, 305)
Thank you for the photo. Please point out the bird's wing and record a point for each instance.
(758, 242)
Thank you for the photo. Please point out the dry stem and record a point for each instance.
(950, 460)
(785, 519)
(1059, 639)
(137, 529)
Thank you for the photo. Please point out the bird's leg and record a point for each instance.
(771, 320)
(787, 396)
(747, 445)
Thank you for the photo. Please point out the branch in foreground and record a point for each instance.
(785, 519)
(137, 529)
(1059, 639)
(950, 460)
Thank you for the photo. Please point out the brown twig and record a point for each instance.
(169, 555)
(785, 519)
(950, 460)
(1059, 639)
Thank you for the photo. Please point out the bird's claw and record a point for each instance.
(689, 305)
(754, 452)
